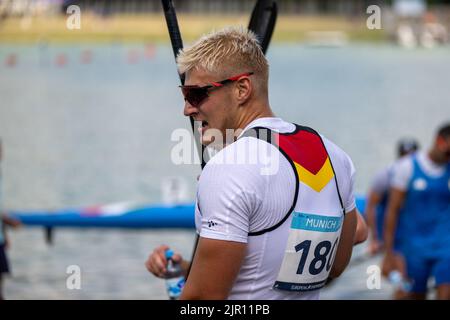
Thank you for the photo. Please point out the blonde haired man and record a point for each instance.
(274, 225)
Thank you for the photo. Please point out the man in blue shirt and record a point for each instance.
(418, 219)
(377, 197)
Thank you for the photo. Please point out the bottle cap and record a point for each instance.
(169, 254)
(395, 277)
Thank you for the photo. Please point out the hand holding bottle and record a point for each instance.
(157, 263)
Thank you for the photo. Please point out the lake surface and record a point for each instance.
(92, 125)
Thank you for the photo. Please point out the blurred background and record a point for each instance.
(87, 113)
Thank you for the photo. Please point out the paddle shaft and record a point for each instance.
(177, 45)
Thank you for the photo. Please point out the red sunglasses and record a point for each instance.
(195, 94)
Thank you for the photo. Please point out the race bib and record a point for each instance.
(310, 251)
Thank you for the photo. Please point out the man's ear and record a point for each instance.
(244, 89)
(440, 142)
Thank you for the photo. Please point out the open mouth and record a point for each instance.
(204, 124)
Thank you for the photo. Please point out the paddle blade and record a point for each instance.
(262, 21)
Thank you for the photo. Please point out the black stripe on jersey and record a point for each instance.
(257, 130)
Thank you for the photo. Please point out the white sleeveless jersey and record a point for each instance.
(290, 220)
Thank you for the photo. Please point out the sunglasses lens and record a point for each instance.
(194, 96)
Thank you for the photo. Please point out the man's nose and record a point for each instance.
(189, 110)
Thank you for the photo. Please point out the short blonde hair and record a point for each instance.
(226, 53)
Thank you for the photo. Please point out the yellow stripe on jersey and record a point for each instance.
(316, 181)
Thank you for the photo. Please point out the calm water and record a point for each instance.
(81, 134)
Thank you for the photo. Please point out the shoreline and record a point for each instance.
(152, 28)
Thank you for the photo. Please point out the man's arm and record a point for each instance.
(362, 232)
(7, 220)
(373, 199)
(3, 227)
(11, 222)
(396, 200)
(344, 250)
(214, 269)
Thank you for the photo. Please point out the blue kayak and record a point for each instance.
(120, 215)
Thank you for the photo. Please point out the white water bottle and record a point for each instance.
(398, 281)
(174, 277)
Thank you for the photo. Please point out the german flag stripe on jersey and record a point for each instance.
(309, 156)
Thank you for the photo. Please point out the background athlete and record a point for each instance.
(378, 196)
(418, 219)
(5, 220)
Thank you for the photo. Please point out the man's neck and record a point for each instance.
(254, 113)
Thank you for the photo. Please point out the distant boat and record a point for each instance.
(328, 39)
(406, 36)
